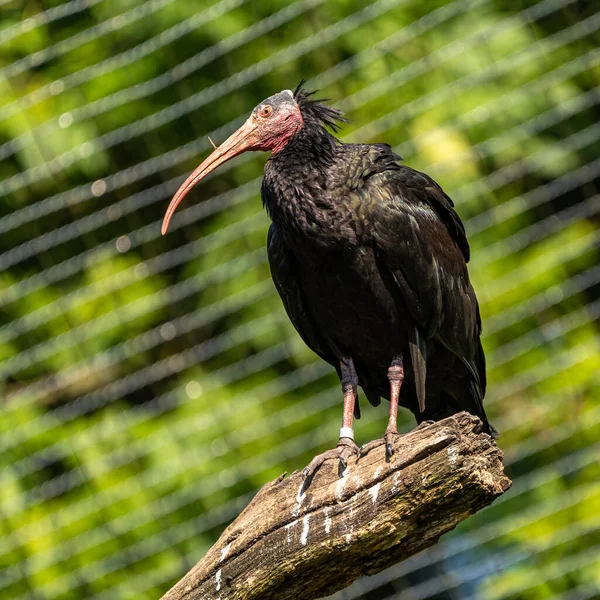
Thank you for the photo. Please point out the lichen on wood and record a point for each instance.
(294, 541)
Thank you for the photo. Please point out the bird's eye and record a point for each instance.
(265, 111)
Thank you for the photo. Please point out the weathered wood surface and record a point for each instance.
(290, 543)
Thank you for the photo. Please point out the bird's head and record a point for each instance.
(270, 126)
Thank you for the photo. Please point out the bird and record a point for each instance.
(369, 257)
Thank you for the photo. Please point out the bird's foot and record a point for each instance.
(343, 451)
(388, 439)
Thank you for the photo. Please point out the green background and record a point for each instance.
(151, 384)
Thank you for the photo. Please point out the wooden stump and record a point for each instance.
(295, 543)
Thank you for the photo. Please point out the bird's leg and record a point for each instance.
(395, 377)
(346, 446)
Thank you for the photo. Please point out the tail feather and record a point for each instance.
(476, 388)
(476, 407)
(418, 355)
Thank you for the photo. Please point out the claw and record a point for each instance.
(387, 440)
(343, 451)
(389, 450)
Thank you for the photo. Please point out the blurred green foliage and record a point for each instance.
(152, 384)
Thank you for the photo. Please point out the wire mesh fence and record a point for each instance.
(151, 384)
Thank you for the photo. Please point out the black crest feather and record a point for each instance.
(330, 117)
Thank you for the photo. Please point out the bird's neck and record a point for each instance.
(296, 188)
(311, 150)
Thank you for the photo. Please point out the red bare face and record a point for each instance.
(270, 126)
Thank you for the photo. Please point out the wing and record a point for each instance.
(283, 272)
(420, 240)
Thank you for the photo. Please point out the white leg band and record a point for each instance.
(347, 432)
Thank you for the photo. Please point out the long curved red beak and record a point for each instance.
(240, 141)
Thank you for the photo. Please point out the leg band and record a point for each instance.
(347, 432)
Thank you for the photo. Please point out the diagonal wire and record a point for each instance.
(498, 529)
(185, 106)
(557, 333)
(559, 433)
(122, 60)
(519, 484)
(134, 203)
(521, 275)
(586, 245)
(559, 328)
(108, 26)
(517, 241)
(54, 203)
(44, 18)
(567, 463)
(79, 194)
(138, 91)
(243, 77)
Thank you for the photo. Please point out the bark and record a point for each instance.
(291, 542)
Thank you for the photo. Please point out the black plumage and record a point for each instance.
(370, 260)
